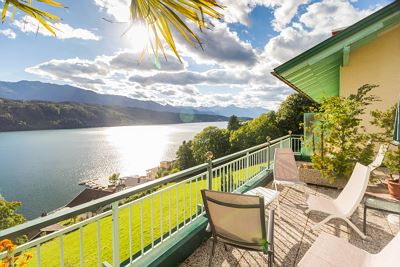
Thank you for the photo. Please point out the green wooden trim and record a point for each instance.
(346, 55)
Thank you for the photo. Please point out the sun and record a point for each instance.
(137, 36)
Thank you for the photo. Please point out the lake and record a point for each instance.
(42, 169)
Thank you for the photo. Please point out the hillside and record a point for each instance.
(16, 115)
(34, 90)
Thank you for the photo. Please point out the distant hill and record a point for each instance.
(34, 90)
(17, 115)
(233, 110)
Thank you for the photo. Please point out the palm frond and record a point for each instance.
(41, 16)
(162, 15)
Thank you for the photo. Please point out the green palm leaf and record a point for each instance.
(41, 16)
(162, 15)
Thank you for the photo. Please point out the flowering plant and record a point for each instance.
(11, 260)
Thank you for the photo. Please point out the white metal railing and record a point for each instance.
(133, 224)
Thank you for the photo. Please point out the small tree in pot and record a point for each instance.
(385, 121)
(342, 140)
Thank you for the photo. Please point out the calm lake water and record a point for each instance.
(43, 168)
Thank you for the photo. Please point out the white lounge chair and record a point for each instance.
(346, 203)
(332, 251)
(380, 156)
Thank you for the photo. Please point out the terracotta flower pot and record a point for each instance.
(394, 188)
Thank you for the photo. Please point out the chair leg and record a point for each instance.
(212, 253)
(327, 219)
(270, 259)
(226, 249)
(352, 225)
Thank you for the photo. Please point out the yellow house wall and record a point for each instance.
(377, 62)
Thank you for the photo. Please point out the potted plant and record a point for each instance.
(385, 121)
(392, 162)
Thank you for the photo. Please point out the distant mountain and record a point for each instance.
(34, 90)
(232, 110)
(17, 115)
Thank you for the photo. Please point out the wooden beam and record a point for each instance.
(346, 55)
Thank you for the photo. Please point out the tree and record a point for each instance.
(114, 179)
(291, 113)
(210, 139)
(343, 141)
(157, 16)
(385, 121)
(255, 132)
(9, 216)
(184, 156)
(233, 123)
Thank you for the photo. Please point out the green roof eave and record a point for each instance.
(316, 72)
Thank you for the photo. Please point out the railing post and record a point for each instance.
(209, 156)
(247, 165)
(269, 152)
(290, 139)
(115, 234)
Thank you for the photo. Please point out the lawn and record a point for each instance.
(169, 207)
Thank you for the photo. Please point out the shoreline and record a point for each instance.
(99, 127)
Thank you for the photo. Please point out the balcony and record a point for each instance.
(293, 235)
(162, 222)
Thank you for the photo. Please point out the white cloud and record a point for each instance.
(129, 60)
(327, 15)
(314, 26)
(117, 9)
(220, 46)
(284, 12)
(210, 77)
(8, 33)
(63, 31)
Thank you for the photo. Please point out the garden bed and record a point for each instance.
(309, 175)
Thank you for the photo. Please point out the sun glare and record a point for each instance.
(137, 36)
(137, 154)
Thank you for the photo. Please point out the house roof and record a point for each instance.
(88, 194)
(315, 72)
(52, 228)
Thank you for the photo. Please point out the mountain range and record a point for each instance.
(35, 90)
(18, 115)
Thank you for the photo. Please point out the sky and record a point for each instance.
(90, 50)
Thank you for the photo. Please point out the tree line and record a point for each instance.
(241, 135)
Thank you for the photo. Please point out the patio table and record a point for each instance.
(380, 204)
(269, 194)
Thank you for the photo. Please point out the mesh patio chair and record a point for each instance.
(346, 203)
(285, 171)
(239, 221)
(329, 250)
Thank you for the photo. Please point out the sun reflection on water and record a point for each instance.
(139, 148)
